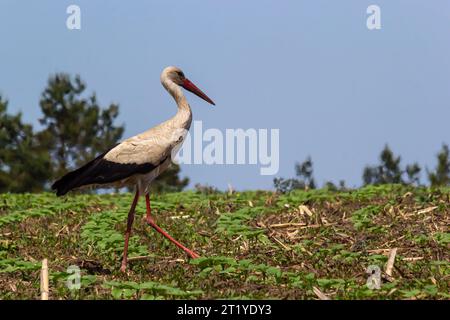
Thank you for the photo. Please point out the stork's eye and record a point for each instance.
(180, 74)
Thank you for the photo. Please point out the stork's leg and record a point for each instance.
(152, 223)
(123, 268)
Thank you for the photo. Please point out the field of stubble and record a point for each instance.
(253, 245)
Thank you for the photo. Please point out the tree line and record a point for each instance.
(388, 171)
(74, 129)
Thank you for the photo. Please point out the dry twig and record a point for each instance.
(390, 262)
(320, 294)
(44, 280)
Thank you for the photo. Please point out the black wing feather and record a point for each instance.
(99, 171)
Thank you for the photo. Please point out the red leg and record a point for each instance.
(152, 223)
(130, 220)
(149, 208)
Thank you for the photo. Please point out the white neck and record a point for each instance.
(183, 117)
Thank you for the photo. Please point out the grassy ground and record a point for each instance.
(253, 245)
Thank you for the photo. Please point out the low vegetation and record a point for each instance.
(255, 245)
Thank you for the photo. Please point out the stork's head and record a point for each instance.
(177, 76)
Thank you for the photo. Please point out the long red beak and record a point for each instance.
(189, 86)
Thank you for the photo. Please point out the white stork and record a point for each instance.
(138, 160)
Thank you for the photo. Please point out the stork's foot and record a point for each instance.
(123, 267)
(192, 254)
(152, 223)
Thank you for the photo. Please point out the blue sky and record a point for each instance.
(336, 90)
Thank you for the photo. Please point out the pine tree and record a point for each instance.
(413, 173)
(305, 180)
(388, 171)
(77, 128)
(305, 171)
(24, 163)
(441, 175)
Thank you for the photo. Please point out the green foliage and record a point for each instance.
(441, 175)
(376, 191)
(297, 197)
(24, 163)
(305, 171)
(14, 265)
(329, 185)
(388, 171)
(442, 238)
(100, 232)
(207, 262)
(363, 218)
(149, 290)
(22, 206)
(413, 173)
(77, 128)
(241, 269)
(234, 223)
(205, 189)
(305, 180)
(291, 254)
